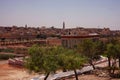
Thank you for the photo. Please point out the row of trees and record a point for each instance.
(111, 49)
(113, 54)
(50, 59)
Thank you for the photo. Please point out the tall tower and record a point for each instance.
(63, 25)
(26, 26)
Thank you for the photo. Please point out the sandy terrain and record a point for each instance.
(8, 72)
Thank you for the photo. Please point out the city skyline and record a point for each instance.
(75, 13)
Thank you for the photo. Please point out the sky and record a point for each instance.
(75, 13)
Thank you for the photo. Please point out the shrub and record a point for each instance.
(7, 50)
(6, 56)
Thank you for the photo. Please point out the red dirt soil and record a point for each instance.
(8, 72)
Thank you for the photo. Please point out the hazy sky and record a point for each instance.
(82, 13)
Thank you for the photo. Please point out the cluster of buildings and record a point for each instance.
(54, 36)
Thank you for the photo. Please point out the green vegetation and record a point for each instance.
(6, 56)
(90, 49)
(113, 53)
(51, 59)
(46, 59)
(8, 50)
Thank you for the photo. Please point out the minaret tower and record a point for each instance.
(63, 25)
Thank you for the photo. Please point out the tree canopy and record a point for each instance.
(50, 59)
(91, 49)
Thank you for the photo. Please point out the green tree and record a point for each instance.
(112, 52)
(90, 49)
(60, 53)
(118, 52)
(72, 61)
(75, 62)
(50, 63)
(35, 60)
(41, 60)
(50, 59)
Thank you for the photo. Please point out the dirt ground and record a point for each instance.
(92, 77)
(8, 72)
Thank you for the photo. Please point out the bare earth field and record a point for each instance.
(8, 72)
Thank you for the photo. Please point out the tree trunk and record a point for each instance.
(91, 63)
(119, 62)
(46, 76)
(114, 65)
(109, 63)
(64, 70)
(76, 75)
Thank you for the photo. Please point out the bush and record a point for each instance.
(6, 56)
(7, 50)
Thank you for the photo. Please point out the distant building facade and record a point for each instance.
(72, 41)
(53, 41)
